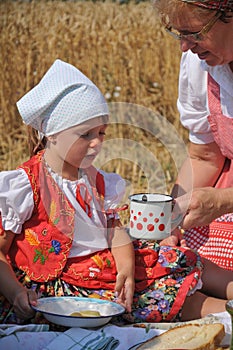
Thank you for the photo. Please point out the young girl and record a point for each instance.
(60, 234)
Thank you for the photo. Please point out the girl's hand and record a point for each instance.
(124, 290)
(22, 303)
(176, 239)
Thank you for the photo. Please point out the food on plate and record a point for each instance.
(189, 336)
(86, 313)
(76, 313)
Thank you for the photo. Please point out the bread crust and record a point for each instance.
(189, 336)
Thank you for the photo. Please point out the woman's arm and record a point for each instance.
(14, 291)
(202, 169)
(202, 203)
(123, 253)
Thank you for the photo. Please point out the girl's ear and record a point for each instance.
(52, 139)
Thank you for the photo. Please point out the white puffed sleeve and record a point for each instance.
(114, 189)
(192, 100)
(16, 199)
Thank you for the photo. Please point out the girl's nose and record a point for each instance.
(186, 44)
(95, 142)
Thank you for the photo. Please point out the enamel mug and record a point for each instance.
(150, 216)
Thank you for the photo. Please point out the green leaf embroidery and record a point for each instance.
(42, 259)
(36, 257)
(108, 262)
(56, 221)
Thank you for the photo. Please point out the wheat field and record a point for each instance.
(121, 48)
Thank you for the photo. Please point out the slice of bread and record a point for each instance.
(189, 336)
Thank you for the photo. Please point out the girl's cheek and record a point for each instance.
(67, 143)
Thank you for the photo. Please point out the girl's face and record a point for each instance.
(76, 147)
(215, 47)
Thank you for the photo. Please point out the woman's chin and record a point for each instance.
(211, 60)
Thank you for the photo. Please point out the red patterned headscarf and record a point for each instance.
(220, 5)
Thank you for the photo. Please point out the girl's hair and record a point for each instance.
(35, 142)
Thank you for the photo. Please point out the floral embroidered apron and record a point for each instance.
(215, 241)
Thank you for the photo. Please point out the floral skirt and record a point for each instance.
(160, 301)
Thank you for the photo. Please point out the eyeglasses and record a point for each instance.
(198, 36)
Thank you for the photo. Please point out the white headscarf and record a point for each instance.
(64, 97)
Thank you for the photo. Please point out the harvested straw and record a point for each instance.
(122, 48)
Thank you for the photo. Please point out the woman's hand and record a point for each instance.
(199, 207)
(22, 303)
(204, 205)
(124, 289)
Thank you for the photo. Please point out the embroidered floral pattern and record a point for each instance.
(108, 262)
(100, 263)
(41, 252)
(98, 260)
(53, 218)
(156, 301)
(56, 247)
(31, 237)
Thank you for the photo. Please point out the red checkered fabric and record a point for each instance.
(213, 242)
(223, 5)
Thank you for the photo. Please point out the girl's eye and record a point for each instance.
(89, 134)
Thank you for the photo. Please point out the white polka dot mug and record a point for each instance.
(151, 216)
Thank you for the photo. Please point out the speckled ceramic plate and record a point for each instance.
(59, 309)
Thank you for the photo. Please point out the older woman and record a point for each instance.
(205, 103)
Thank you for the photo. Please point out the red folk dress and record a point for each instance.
(39, 255)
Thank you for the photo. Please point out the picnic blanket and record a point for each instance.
(109, 337)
